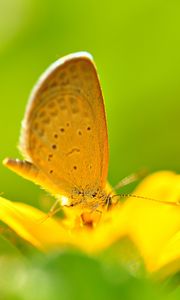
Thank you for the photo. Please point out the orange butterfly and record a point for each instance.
(64, 134)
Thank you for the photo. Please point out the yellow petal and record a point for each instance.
(111, 227)
(169, 259)
(152, 226)
(50, 234)
(25, 221)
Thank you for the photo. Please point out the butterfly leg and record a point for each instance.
(53, 210)
(108, 202)
(130, 179)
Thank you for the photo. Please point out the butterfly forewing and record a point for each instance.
(64, 130)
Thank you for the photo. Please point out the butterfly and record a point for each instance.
(64, 134)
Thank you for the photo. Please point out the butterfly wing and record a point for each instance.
(64, 130)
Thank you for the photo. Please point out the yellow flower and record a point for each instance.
(153, 227)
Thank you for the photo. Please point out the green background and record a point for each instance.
(136, 47)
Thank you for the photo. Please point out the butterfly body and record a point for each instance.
(64, 133)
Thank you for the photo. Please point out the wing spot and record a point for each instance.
(75, 110)
(46, 121)
(72, 68)
(75, 167)
(50, 156)
(78, 90)
(62, 129)
(42, 114)
(74, 105)
(36, 125)
(54, 146)
(51, 171)
(54, 113)
(88, 128)
(55, 135)
(62, 75)
(60, 100)
(62, 103)
(53, 84)
(94, 194)
(79, 132)
(74, 76)
(67, 124)
(72, 151)
(41, 132)
(72, 100)
(44, 88)
(51, 104)
(63, 107)
(65, 82)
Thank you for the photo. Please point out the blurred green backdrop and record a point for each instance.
(136, 47)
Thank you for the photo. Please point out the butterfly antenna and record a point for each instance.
(177, 203)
